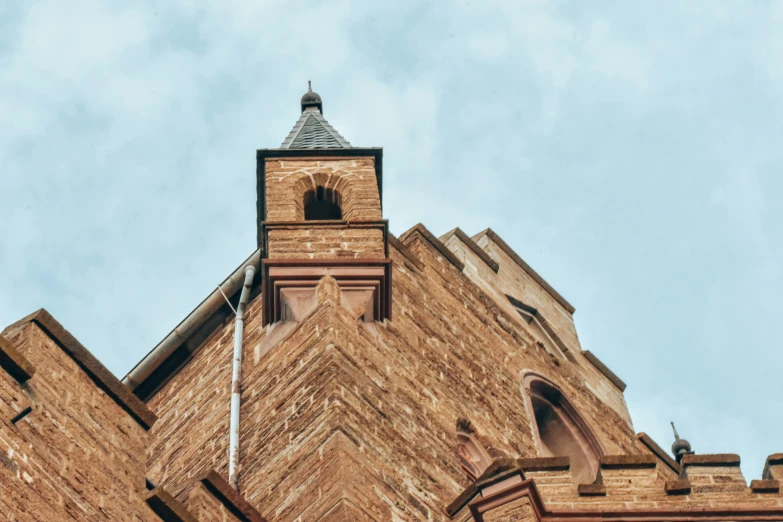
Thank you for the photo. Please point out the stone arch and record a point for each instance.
(325, 186)
(559, 429)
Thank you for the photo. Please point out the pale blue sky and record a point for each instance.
(629, 151)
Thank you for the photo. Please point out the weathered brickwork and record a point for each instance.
(77, 455)
(211, 498)
(71, 451)
(334, 241)
(518, 510)
(382, 379)
(513, 280)
(344, 420)
(338, 414)
(381, 400)
(354, 179)
(205, 506)
(191, 433)
(633, 490)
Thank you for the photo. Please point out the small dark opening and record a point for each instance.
(322, 203)
(21, 415)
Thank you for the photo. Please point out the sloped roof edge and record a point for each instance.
(96, 371)
(137, 378)
(325, 137)
(435, 242)
(527, 268)
(462, 236)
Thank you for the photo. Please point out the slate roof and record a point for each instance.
(312, 131)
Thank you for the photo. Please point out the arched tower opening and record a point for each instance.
(322, 204)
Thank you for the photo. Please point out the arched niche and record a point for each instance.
(473, 457)
(559, 429)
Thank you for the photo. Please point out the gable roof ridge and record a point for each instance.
(492, 235)
(234, 502)
(151, 363)
(14, 363)
(405, 251)
(435, 242)
(168, 508)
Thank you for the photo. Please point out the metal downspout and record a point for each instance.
(236, 377)
(189, 325)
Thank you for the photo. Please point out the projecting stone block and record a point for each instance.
(363, 287)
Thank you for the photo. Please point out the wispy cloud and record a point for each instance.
(630, 152)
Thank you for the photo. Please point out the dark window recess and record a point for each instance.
(562, 431)
(322, 203)
(21, 415)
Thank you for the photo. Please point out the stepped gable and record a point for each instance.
(72, 438)
(502, 274)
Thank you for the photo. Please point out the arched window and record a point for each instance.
(561, 431)
(322, 203)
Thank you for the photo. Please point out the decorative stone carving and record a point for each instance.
(291, 288)
(473, 457)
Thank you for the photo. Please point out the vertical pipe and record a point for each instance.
(236, 378)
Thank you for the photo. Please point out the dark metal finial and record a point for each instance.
(311, 99)
(681, 446)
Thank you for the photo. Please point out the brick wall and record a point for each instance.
(630, 488)
(191, 434)
(335, 410)
(77, 455)
(201, 503)
(327, 241)
(512, 279)
(354, 179)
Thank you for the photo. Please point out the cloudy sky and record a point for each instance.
(629, 151)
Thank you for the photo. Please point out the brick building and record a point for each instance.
(342, 373)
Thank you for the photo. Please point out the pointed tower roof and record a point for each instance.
(312, 131)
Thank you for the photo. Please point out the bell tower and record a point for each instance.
(320, 214)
